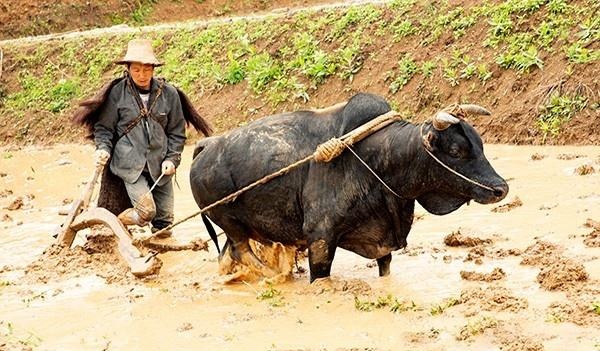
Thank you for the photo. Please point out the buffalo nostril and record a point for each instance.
(500, 191)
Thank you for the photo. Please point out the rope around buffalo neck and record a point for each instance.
(448, 167)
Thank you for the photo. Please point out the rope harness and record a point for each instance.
(426, 147)
(324, 152)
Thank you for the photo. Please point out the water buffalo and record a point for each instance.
(322, 206)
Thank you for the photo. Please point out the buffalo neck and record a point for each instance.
(397, 155)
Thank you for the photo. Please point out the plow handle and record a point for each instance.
(66, 234)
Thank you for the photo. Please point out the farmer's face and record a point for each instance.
(141, 74)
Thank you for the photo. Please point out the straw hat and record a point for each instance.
(140, 50)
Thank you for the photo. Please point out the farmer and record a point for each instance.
(139, 129)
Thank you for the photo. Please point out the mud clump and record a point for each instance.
(513, 340)
(99, 256)
(561, 275)
(516, 202)
(353, 287)
(583, 307)
(568, 157)
(495, 274)
(492, 298)
(542, 253)
(16, 204)
(457, 239)
(585, 170)
(537, 157)
(593, 238)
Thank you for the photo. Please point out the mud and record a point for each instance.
(491, 298)
(427, 302)
(516, 202)
(496, 274)
(593, 238)
(98, 256)
(456, 238)
(542, 253)
(352, 287)
(562, 274)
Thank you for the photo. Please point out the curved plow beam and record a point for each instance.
(140, 266)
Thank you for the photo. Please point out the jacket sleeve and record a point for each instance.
(175, 130)
(104, 129)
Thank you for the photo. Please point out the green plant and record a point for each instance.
(427, 68)
(476, 326)
(262, 69)
(468, 71)
(439, 309)
(406, 69)
(61, 95)
(354, 15)
(350, 61)
(555, 317)
(596, 307)
(234, 73)
(392, 303)
(483, 73)
(272, 295)
(557, 6)
(576, 53)
(558, 110)
(590, 29)
(402, 5)
(500, 25)
(310, 60)
(451, 75)
(143, 9)
(520, 59)
(402, 28)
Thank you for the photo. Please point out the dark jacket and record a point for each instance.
(152, 141)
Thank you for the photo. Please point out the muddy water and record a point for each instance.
(186, 306)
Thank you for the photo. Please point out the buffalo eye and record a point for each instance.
(454, 151)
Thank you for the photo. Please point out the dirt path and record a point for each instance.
(186, 306)
(191, 24)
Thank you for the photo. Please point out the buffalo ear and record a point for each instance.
(428, 140)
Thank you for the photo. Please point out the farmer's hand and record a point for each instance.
(101, 157)
(168, 168)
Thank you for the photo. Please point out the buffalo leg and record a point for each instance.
(320, 257)
(240, 248)
(384, 265)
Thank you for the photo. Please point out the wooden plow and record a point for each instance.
(83, 216)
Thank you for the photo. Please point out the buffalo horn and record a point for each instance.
(442, 120)
(475, 109)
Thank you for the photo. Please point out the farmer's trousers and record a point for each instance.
(162, 196)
